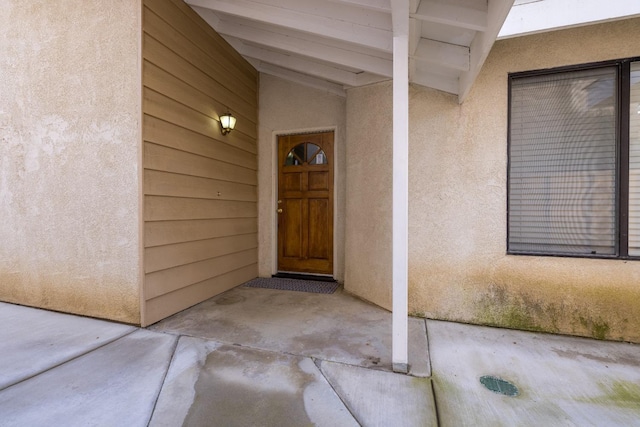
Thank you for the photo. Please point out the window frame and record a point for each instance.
(622, 122)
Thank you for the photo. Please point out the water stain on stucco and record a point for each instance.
(56, 289)
(518, 310)
(534, 300)
(599, 328)
(497, 307)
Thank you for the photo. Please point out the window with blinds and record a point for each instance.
(634, 160)
(567, 146)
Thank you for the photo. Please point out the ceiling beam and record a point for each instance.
(295, 63)
(413, 6)
(400, 17)
(289, 32)
(377, 5)
(450, 14)
(258, 56)
(300, 78)
(482, 44)
(370, 31)
(307, 48)
(363, 79)
(348, 11)
(443, 54)
(415, 31)
(423, 76)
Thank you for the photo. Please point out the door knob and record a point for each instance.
(279, 210)
(279, 201)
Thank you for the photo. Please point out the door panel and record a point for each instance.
(318, 181)
(292, 182)
(305, 203)
(318, 224)
(293, 228)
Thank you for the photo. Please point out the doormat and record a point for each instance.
(311, 286)
(300, 276)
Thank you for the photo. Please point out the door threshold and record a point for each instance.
(303, 276)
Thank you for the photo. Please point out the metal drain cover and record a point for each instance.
(498, 385)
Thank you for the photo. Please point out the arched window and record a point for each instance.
(306, 153)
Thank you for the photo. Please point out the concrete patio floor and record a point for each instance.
(280, 358)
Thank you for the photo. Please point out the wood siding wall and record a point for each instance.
(200, 188)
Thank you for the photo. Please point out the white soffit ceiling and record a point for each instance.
(537, 16)
(337, 44)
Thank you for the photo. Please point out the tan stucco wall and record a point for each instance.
(69, 156)
(458, 269)
(369, 204)
(287, 107)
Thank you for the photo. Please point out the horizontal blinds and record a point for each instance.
(634, 162)
(562, 163)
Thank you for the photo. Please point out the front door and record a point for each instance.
(305, 203)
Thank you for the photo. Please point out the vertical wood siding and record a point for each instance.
(200, 187)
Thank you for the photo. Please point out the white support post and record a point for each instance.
(400, 326)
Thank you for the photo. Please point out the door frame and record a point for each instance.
(273, 203)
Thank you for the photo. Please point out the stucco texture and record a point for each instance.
(286, 107)
(368, 240)
(69, 156)
(458, 267)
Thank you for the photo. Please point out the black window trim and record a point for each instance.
(622, 153)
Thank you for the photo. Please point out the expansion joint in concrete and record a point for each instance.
(435, 400)
(318, 363)
(426, 333)
(164, 377)
(84, 353)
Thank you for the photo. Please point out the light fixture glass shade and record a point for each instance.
(227, 123)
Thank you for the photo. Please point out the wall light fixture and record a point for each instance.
(227, 123)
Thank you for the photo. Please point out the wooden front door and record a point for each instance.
(305, 203)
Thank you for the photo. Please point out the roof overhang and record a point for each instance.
(334, 45)
(539, 16)
(338, 44)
